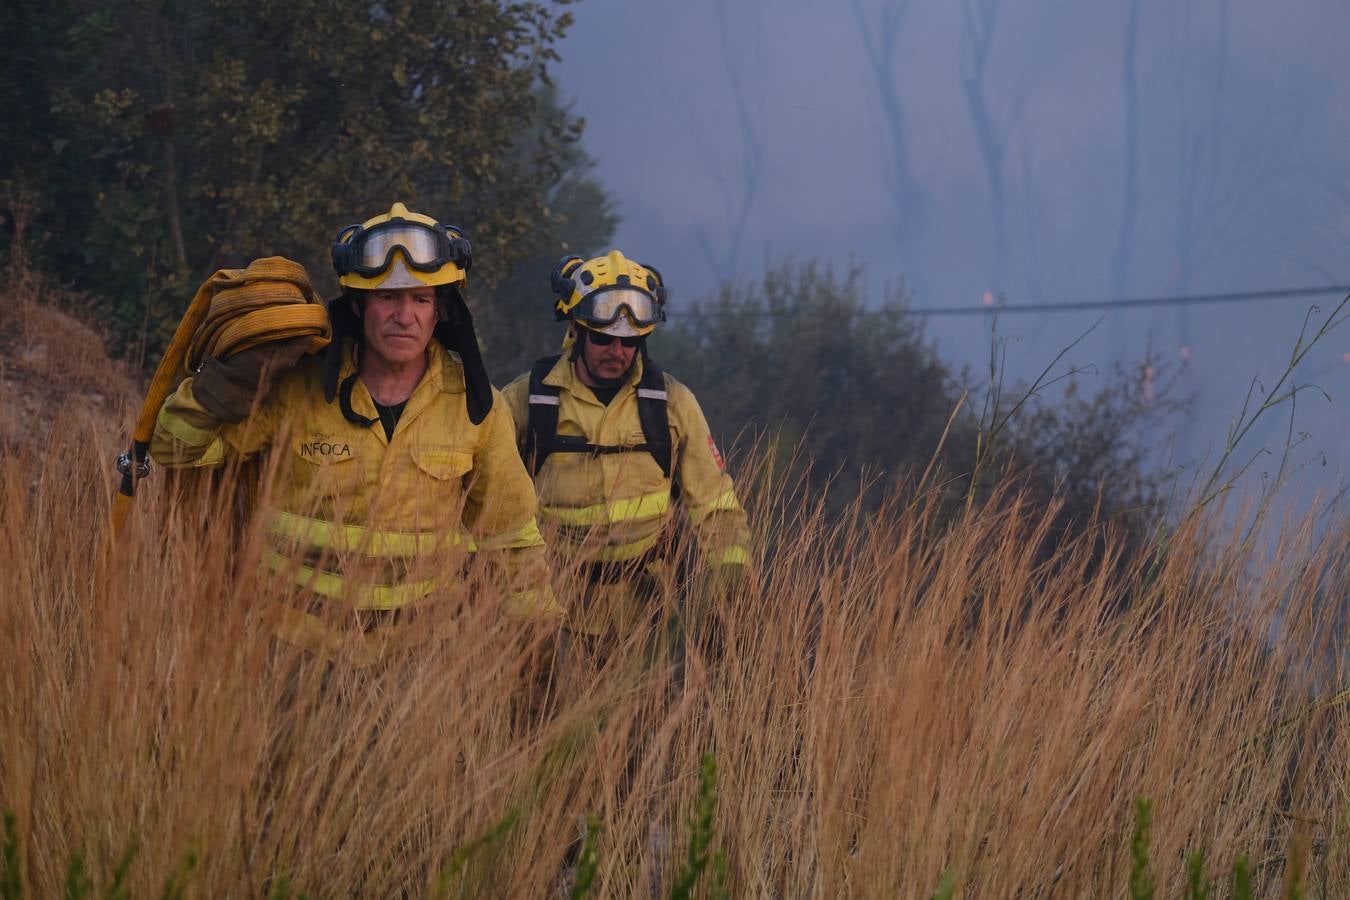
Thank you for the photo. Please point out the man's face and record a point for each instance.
(608, 361)
(398, 324)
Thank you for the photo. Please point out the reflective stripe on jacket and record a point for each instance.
(360, 515)
(614, 506)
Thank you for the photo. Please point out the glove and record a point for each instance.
(720, 582)
(226, 388)
(542, 645)
(703, 624)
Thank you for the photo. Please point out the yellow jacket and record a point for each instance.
(350, 499)
(614, 507)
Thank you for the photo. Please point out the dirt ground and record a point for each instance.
(54, 369)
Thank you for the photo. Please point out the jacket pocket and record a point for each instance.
(442, 462)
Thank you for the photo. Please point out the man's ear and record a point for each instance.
(356, 307)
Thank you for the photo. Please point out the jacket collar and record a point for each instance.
(564, 375)
(444, 374)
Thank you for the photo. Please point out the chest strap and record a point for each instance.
(542, 438)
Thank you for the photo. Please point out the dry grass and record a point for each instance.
(895, 702)
(898, 701)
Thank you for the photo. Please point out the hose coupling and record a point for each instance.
(124, 466)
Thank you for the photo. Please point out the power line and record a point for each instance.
(1081, 305)
(1134, 303)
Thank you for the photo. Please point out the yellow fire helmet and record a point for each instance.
(401, 249)
(610, 294)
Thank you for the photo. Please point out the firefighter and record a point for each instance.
(615, 445)
(397, 450)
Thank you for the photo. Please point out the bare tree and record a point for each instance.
(979, 20)
(1129, 207)
(739, 189)
(1314, 225)
(1033, 212)
(979, 23)
(880, 41)
(1229, 154)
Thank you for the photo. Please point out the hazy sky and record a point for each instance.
(1243, 176)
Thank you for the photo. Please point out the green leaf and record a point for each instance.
(460, 858)
(1141, 880)
(78, 885)
(1197, 888)
(1242, 879)
(117, 890)
(11, 880)
(176, 883)
(587, 864)
(701, 832)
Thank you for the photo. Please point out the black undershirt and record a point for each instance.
(606, 394)
(389, 416)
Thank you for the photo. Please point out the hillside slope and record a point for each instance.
(55, 369)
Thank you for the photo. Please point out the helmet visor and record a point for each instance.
(423, 248)
(604, 306)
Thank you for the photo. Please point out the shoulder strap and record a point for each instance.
(541, 435)
(652, 397)
(542, 432)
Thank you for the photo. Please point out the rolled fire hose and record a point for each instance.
(235, 309)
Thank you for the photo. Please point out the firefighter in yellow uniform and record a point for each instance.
(612, 442)
(399, 456)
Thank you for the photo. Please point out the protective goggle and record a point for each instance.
(603, 306)
(370, 251)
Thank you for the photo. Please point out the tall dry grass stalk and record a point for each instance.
(898, 698)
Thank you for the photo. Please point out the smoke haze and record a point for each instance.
(982, 151)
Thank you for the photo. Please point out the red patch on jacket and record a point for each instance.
(717, 454)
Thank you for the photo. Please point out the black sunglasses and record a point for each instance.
(600, 339)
